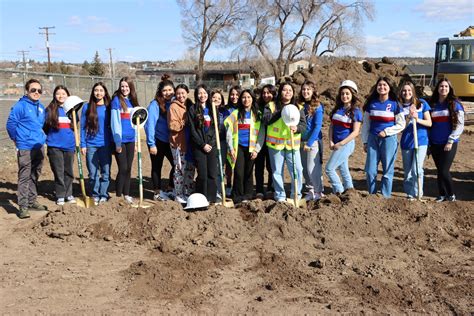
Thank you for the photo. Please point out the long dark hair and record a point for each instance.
(197, 106)
(218, 91)
(92, 119)
(52, 119)
(253, 108)
(374, 95)
(271, 88)
(414, 99)
(132, 96)
(451, 100)
(355, 103)
(165, 82)
(233, 88)
(314, 103)
(280, 89)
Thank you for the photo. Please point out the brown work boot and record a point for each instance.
(38, 207)
(23, 212)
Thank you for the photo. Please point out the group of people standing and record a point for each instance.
(251, 133)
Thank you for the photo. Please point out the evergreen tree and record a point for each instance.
(97, 68)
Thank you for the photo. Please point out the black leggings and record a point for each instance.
(263, 159)
(206, 165)
(443, 161)
(243, 180)
(124, 163)
(163, 150)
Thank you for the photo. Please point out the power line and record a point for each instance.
(47, 33)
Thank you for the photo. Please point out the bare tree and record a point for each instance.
(284, 30)
(207, 22)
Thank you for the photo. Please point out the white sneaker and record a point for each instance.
(180, 199)
(71, 199)
(96, 200)
(60, 201)
(128, 199)
(102, 200)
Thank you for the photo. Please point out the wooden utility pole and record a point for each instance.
(24, 52)
(111, 64)
(47, 33)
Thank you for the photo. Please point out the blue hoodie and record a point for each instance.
(63, 136)
(122, 130)
(314, 124)
(103, 135)
(25, 124)
(156, 126)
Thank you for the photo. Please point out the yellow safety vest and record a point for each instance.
(278, 136)
(232, 123)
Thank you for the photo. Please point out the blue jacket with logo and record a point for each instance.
(25, 124)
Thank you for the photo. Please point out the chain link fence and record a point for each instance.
(12, 84)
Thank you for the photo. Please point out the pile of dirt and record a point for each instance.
(364, 73)
(357, 252)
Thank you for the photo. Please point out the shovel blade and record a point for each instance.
(301, 203)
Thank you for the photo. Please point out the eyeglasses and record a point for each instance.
(34, 90)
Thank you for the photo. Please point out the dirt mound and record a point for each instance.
(364, 74)
(400, 258)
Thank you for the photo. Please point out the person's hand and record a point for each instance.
(365, 147)
(382, 134)
(413, 113)
(253, 155)
(83, 151)
(232, 154)
(153, 151)
(118, 149)
(207, 148)
(337, 146)
(306, 148)
(448, 147)
(331, 145)
(293, 129)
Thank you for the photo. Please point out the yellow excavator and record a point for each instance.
(454, 60)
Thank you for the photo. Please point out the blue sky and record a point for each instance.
(151, 30)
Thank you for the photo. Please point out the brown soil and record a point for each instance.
(359, 253)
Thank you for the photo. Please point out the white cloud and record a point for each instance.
(446, 10)
(74, 20)
(401, 43)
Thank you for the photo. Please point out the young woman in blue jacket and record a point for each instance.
(61, 145)
(418, 110)
(96, 141)
(123, 100)
(447, 115)
(157, 135)
(346, 119)
(311, 153)
(383, 120)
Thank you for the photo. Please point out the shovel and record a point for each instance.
(225, 202)
(418, 176)
(86, 201)
(140, 174)
(296, 202)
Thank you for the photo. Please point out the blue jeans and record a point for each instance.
(277, 160)
(339, 160)
(98, 161)
(385, 151)
(410, 179)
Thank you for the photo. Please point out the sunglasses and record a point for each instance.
(34, 90)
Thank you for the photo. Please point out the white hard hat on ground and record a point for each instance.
(72, 102)
(140, 112)
(290, 115)
(195, 201)
(350, 84)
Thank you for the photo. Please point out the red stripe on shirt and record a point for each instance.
(382, 118)
(64, 125)
(125, 116)
(440, 119)
(343, 124)
(244, 126)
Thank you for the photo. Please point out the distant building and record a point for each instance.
(298, 65)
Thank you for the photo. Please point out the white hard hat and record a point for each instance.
(290, 115)
(196, 200)
(72, 102)
(350, 84)
(138, 112)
